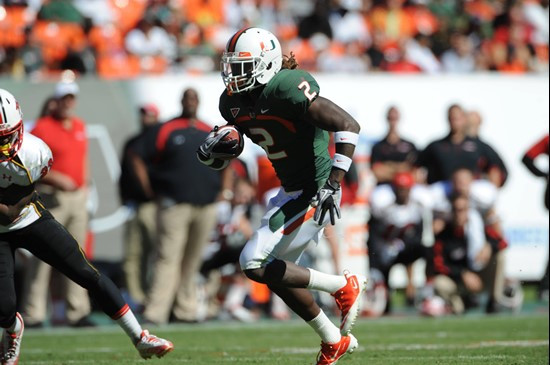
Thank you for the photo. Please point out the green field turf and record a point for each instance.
(472, 339)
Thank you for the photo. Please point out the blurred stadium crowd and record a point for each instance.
(118, 39)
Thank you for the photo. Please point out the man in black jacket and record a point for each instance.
(140, 230)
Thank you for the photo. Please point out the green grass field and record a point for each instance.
(472, 339)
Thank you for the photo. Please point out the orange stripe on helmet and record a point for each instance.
(3, 118)
(233, 40)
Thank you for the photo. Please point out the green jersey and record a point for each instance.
(297, 150)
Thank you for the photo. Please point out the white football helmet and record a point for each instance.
(11, 126)
(251, 58)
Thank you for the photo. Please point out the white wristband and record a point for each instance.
(342, 162)
(346, 137)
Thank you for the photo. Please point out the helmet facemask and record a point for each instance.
(11, 126)
(240, 71)
(10, 142)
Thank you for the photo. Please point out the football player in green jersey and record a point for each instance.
(279, 108)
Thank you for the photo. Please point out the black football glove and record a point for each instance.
(327, 199)
(214, 147)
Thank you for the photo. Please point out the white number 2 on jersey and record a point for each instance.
(307, 90)
(266, 143)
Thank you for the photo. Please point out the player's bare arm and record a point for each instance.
(12, 201)
(326, 115)
(142, 175)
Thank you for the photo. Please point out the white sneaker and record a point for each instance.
(149, 345)
(11, 344)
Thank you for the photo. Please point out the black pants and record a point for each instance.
(226, 255)
(48, 240)
(383, 257)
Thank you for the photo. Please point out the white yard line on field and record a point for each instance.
(422, 346)
(169, 328)
(476, 345)
(97, 350)
(80, 362)
(527, 343)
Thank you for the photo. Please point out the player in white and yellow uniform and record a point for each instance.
(18, 177)
(25, 223)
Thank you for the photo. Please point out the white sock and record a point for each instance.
(17, 325)
(325, 282)
(328, 332)
(128, 322)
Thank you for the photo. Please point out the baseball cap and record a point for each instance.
(66, 88)
(150, 109)
(403, 180)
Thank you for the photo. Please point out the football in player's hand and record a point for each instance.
(231, 145)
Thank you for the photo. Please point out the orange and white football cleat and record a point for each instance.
(348, 300)
(151, 345)
(11, 344)
(331, 353)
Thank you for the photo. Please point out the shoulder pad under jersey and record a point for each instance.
(36, 157)
(292, 91)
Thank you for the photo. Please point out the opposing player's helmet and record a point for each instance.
(251, 58)
(11, 126)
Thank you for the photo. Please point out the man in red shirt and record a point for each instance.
(65, 192)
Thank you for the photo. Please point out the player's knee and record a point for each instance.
(255, 274)
(270, 274)
(7, 311)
